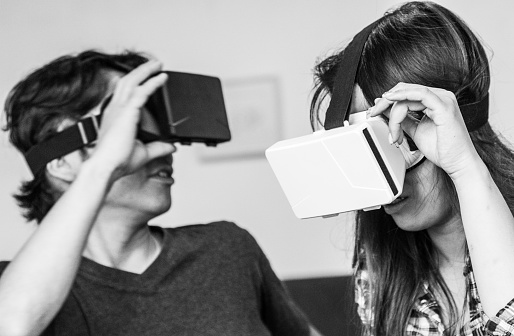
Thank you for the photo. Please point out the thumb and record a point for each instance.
(158, 149)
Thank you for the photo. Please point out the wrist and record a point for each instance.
(98, 172)
(475, 172)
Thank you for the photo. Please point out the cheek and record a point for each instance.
(431, 201)
(424, 179)
(126, 186)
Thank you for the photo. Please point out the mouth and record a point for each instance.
(398, 200)
(163, 174)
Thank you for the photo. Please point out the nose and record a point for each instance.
(169, 155)
(166, 157)
(174, 148)
(161, 150)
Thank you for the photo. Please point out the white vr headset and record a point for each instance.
(350, 165)
(343, 169)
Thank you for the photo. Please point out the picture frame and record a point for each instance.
(253, 111)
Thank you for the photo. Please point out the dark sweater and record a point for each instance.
(208, 280)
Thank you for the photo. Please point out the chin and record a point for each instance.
(162, 208)
(411, 224)
(154, 209)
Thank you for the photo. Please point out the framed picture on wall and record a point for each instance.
(253, 111)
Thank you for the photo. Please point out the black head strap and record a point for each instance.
(475, 114)
(83, 133)
(338, 110)
(72, 138)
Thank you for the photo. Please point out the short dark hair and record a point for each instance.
(66, 88)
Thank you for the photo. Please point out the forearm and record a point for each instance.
(489, 228)
(37, 281)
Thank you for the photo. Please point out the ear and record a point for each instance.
(65, 168)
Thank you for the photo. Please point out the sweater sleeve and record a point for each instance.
(279, 313)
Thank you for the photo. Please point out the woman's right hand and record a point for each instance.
(117, 148)
(440, 134)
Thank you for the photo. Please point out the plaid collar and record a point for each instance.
(425, 319)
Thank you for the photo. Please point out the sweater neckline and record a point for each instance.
(109, 276)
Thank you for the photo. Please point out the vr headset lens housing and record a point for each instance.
(188, 108)
(410, 152)
(149, 129)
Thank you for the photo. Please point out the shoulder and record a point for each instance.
(220, 234)
(222, 229)
(217, 245)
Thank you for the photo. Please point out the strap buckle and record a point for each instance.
(83, 125)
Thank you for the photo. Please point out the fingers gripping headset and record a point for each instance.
(350, 165)
(187, 108)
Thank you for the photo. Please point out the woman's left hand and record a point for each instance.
(440, 134)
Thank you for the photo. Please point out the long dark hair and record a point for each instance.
(66, 88)
(422, 43)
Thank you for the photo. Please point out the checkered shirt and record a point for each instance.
(425, 319)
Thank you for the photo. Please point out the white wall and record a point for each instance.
(232, 40)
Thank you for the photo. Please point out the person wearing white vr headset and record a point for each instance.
(94, 266)
(438, 259)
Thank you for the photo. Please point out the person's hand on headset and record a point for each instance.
(117, 147)
(440, 132)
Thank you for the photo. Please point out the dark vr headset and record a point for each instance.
(350, 165)
(187, 108)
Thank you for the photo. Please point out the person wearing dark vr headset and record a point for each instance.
(438, 260)
(94, 266)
